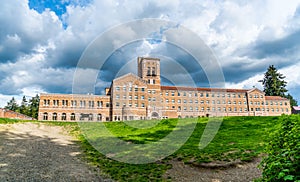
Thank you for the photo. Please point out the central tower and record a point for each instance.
(149, 71)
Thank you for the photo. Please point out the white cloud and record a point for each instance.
(37, 53)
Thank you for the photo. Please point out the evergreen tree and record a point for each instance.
(273, 82)
(292, 100)
(23, 108)
(12, 105)
(33, 107)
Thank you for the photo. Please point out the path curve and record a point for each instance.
(39, 152)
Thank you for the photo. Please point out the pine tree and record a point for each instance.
(33, 107)
(292, 100)
(273, 82)
(12, 105)
(23, 108)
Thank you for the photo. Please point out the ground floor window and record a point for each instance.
(90, 117)
(72, 117)
(63, 117)
(99, 117)
(54, 116)
(45, 116)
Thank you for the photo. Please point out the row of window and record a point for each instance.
(75, 103)
(201, 94)
(82, 116)
(136, 89)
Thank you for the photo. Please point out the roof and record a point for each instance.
(275, 98)
(203, 89)
(297, 108)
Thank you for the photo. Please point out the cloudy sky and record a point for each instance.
(42, 41)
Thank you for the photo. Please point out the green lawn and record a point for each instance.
(238, 138)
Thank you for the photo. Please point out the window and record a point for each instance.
(173, 100)
(135, 97)
(153, 71)
(130, 97)
(99, 103)
(117, 88)
(167, 100)
(107, 104)
(201, 94)
(143, 105)
(91, 104)
(142, 97)
(54, 116)
(45, 116)
(99, 117)
(90, 117)
(124, 88)
(148, 71)
(117, 96)
(191, 101)
(63, 117)
(143, 89)
(173, 93)
(207, 94)
(167, 93)
(136, 89)
(117, 104)
(179, 101)
(72, 117)
(184, 101)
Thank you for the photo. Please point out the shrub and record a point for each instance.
(282, 162)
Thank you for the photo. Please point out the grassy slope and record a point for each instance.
(238, 138)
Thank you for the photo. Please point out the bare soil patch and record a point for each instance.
(215, 172)
(38, 152)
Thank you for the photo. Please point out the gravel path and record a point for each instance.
(38, 152)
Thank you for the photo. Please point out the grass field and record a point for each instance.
(240, 138)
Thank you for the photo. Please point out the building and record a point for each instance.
(139, 97)
(6, 113)
(296, 110)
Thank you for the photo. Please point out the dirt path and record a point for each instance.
(38, 152)
(240, 173)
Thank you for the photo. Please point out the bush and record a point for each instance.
(283, 152)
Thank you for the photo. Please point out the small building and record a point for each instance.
(6, 113)
(296, 110)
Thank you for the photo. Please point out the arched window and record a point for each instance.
(99, 117)
(54, 116)
(148, 71)
(45, 116)
(72, 117)
(90, 117)
(153, 71)
(63, 117)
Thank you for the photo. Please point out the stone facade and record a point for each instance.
(139, 97)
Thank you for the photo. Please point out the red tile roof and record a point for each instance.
(275, 98)
(202, 89)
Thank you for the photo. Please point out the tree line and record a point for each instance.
(29, 108)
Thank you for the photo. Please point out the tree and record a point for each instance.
(293, 102)
(12, 105)
(273, 82)
(33, 107)
(23, 108)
